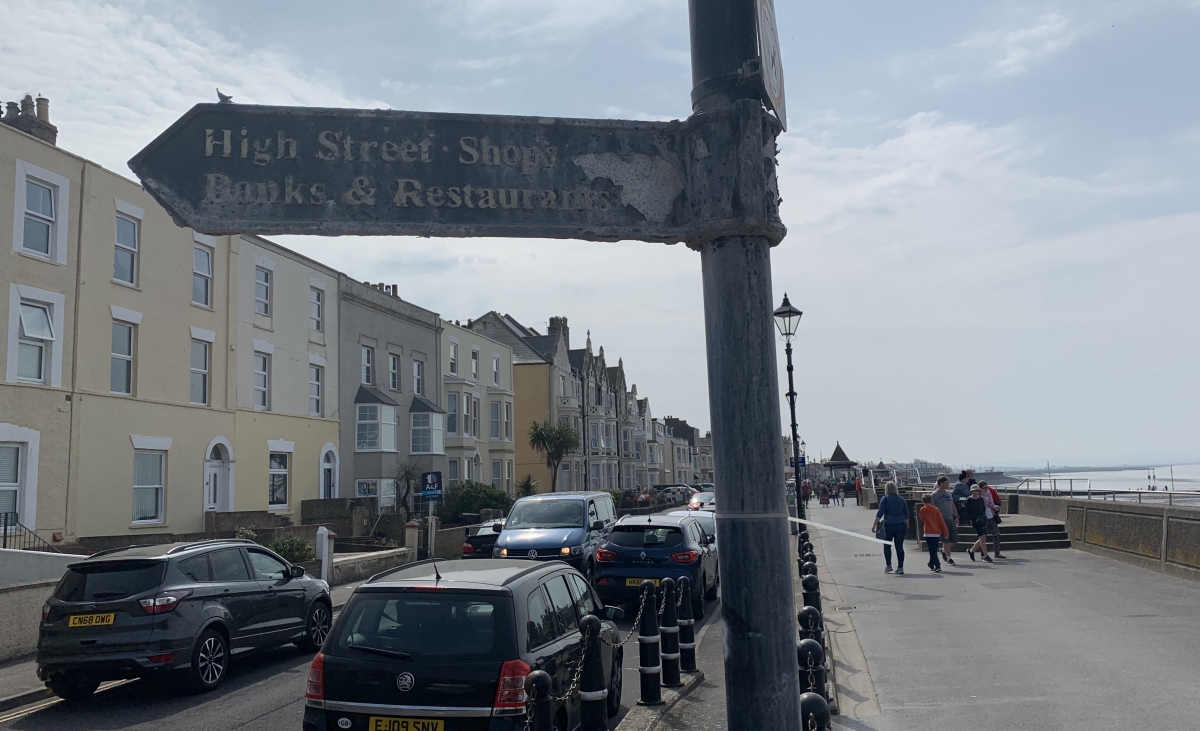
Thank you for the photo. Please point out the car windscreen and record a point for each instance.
(107, 582)
(546, 514)
(646, 536)
(706, 497)
(431, 625)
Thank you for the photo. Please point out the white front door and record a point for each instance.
(213, 476)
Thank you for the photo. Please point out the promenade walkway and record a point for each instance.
(1054, 640)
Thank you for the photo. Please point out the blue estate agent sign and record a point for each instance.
(431, 485)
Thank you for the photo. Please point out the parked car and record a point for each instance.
(702, 500)
(483, 542)
(675, 494)
(707, 520)
(147, 611)
(566, 526)
(447, 645)
(655, 547)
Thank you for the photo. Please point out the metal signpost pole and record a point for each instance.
(791, 395)
(761, 672)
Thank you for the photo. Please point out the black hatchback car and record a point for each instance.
(447, 645)
(656, 547)
(146, 611)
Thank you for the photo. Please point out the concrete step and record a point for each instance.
(1020, 544)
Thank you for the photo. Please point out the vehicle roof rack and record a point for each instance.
(209, 542)
(107, 551)
(402, 567)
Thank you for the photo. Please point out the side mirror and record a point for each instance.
(497, 527)
(614, 613)
(598, 525)
(297, 572)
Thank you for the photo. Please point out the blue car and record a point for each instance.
(656, 547)
(566, 526)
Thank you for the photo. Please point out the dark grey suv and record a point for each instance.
(146, 611)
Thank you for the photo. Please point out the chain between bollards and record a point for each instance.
(541, 710)
(649, 662)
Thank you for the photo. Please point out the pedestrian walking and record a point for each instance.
(891, 524)
(933, 530)
(824, 496)
(991, 500)
(976, 513)
(943, 500)
(962, 491)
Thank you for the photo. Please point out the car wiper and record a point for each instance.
(382, 651)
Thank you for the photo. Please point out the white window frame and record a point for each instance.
(508, 476)
(264, 389)
(135, 251)
(204, 373)
(431, 425)
(394, 371)
(206, 277)
(494, 419)
(419, 377)
(452, 472)
(60, 188)
(495, 370)
(316, 387)
(475, 364)
(508, 421)
(262, 304)
(498, 474)
(52, 350)
(594, 435)
(454, 359)
(367, 362)
(15, 486)
(115, 357)
(316, 309)
(452, 415)
(160, 507)
(383, 418)
(286, 471)
(475, 416)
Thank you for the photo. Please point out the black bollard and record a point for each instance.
(808, 547)
(687, 629)
(812, 624)
(537, 685)
(803, 536)
(808, 568)
(811, 591)
(810, 557)
(593, 688)
(670, 637)
(811, 657)
(648, 660)
(814, 713)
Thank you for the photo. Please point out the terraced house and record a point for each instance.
(477, 373)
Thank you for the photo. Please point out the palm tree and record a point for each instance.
(527, 486)
(554, 441)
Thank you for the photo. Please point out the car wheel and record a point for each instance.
(210, 661)
(71, 688)
(615, 683)
(316, 628)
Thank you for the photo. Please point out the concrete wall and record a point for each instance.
(358, 566)
(1157, 537)
(22, 567)
(21, 606)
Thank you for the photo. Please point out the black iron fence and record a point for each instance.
(16, 536)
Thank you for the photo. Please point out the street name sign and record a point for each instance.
(233, 168)
(770, 61)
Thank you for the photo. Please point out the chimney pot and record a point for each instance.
(27, 106)
(43, 108)
(11, 111)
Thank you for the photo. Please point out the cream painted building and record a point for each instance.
(478, 397)
(135, 394)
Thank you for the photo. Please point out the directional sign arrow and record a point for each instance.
(232, 168)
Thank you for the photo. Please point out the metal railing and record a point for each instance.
(16, 536)
(1081, 487)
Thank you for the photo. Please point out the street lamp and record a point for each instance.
(787, 319)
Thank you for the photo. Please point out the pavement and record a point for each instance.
(1060, 640)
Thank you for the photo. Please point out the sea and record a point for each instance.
(1164, 477)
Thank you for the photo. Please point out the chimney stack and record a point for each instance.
(32, 118)
(559, 324)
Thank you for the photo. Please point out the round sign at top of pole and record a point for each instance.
(770, 60)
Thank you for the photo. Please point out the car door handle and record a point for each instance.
(270, 590)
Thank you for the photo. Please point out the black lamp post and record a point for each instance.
(787, 319)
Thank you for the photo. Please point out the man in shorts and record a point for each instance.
(943, 500)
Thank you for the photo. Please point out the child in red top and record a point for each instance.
(934, 530)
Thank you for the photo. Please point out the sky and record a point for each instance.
(993, 208)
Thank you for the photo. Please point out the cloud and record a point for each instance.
(616, 112)
(1014, 51)
(401, 87)
(546, 21)
(475, 64)
(118, 74)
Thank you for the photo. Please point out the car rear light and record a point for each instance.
(603, 554)
(45, 611)
(159, 659)
(510, 689)
(685, 557)
(316, 679)
(602, 581)
(468, 548)
(164, 603)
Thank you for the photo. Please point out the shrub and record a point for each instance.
(293, 548)
(245, 534)
(471, 497)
